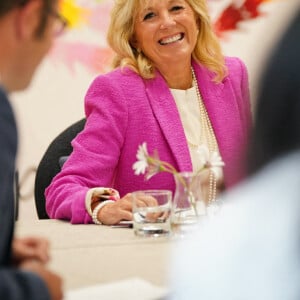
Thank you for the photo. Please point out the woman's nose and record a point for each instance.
(167, 21)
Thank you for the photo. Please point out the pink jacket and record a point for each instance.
(123, 111)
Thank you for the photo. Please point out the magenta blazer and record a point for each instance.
(123, 111)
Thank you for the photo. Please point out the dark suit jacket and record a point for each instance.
(14, 283)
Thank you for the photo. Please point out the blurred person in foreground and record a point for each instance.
(27, 29)
(171, 88)
(251, 249)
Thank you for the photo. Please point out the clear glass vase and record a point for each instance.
(188, 204)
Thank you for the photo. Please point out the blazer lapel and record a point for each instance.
(223, 112)
(168, 118)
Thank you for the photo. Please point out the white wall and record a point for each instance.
(55, 98)
(257, 37)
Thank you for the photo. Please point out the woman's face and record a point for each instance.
(166, 31)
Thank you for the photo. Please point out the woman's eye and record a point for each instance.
(176, 8)
(148, 16)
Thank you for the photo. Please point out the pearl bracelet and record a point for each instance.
(96, 210)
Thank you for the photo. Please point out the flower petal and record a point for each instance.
(139, 167)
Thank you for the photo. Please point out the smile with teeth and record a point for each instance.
(171, 39)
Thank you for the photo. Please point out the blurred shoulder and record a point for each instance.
(3, 95)
(6, 111)
(257, 230)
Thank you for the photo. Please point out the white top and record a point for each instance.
(188, 107)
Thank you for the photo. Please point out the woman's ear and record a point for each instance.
(133, 42)
(28, 19)
(198, 21)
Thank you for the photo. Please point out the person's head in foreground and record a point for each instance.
(27, 30)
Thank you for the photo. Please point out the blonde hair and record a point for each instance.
(207, 50)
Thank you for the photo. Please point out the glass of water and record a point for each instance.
(152, 212)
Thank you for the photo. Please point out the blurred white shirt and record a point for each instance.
(251, 249)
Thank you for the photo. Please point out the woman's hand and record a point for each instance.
(113, 213)
(30, 248)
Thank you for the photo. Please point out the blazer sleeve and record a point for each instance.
(95, 155)
(20, 285)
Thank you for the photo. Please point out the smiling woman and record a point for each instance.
(171, 88)
(34, 27)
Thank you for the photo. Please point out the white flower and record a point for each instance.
(141, 164)
(216, 163)
(213, 160)
(151, 165)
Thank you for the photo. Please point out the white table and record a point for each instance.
(85, 255)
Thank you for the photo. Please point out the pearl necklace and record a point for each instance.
(208, 132)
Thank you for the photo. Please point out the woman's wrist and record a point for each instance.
(96, 210)
(97, 195)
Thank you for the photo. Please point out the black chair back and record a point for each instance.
(50, 164)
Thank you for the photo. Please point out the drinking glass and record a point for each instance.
(152, 212)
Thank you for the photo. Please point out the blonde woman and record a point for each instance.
(172, 88)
